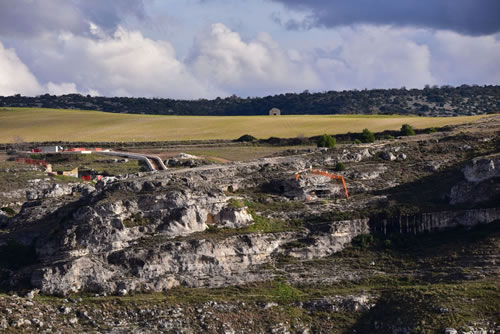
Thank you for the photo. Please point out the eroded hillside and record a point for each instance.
(267, 245)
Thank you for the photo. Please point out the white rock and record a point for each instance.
(389, 156)
(186, 156)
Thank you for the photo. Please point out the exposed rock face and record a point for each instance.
(435, 221)
(306, 187)
(329, 238)
(483, 168)
(348, 155)
(58, 190)
(233, 218)
(482, 181)
(156, 265)
(121, 238)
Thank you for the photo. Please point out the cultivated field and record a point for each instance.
(31, 124)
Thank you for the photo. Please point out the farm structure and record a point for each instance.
(274, 112)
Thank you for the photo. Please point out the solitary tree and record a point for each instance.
(407, 130)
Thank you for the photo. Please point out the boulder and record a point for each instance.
(388, 155)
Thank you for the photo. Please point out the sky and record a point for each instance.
(192, 49)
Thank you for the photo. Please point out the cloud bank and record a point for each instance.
(32, 18)
(222, 63)
(90, 50)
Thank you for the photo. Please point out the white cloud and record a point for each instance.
(465, 59)
(123, 64)
(15, 76)
(66, 88)
(259, 66)
(375, 57)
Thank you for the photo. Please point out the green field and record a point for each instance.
(32, 124)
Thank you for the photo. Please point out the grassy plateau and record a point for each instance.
(37, 124)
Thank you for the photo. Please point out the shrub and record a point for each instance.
(357, 141)
(136, 220)
(339, 166)
(326, 141)
(407, 130)
(431, 130)
(389, 137)
(246, 138)
(367, 136)
(212, 229)
(235, 203)
(273, 141)
(284, 292)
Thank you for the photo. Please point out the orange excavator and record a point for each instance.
(331, 176)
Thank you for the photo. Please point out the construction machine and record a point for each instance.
(323, 173)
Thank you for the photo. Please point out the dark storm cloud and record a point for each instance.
(28, 18)
(472, 17)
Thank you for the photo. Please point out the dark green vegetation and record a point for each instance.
(463, 100)
(407, 130)
(339, 167)
(367, 136)
(246, 138)
(326, 141)
(8, 211)
(135, 220)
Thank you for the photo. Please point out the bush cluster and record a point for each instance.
(407, 130)
(367, 136)
(246, 138)
(339, 167)
(326, 141)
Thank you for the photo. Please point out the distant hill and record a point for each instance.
(430, 101)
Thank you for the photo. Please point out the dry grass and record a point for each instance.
(35, 124)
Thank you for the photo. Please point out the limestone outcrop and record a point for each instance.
(481, 181)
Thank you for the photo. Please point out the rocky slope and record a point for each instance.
(239, 224)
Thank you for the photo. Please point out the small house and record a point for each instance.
(274, 112)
